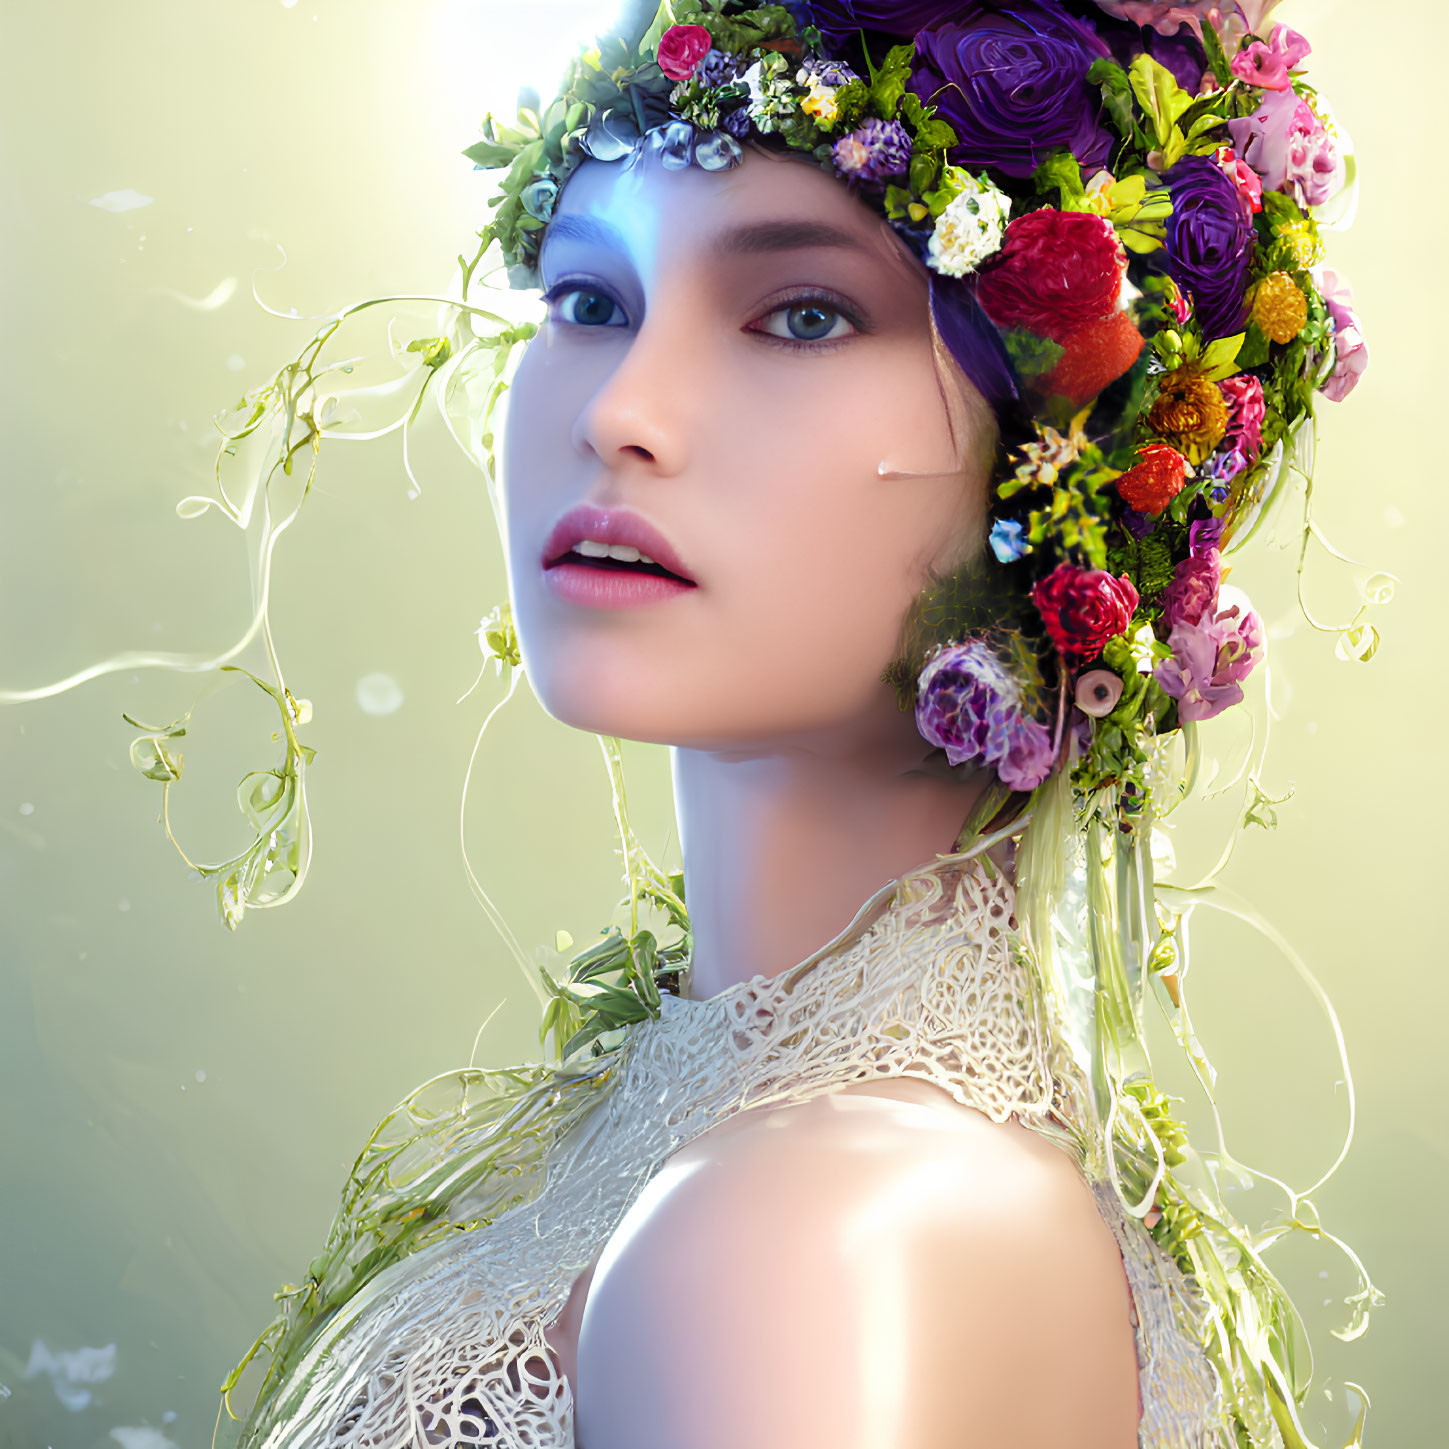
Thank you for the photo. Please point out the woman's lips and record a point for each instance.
(598, 584)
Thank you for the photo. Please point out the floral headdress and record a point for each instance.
(1120, 206)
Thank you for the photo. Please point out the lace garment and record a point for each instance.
(447, 1347)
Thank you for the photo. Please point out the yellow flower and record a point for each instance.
(1301, 241)
(1279, 308)
(820, 104)
(1189, 413)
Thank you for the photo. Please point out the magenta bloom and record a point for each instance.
(1210, 659)
(1286, 144)
(681, 48)
(1348, 340)
(970, 706)
(1243, 394)
(1269, 65)
(1193, 591)
(1248, 182)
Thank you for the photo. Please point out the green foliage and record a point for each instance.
(888, 81)
(1031, 355)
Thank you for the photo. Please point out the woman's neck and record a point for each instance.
(782, 848)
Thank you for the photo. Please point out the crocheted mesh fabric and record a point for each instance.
(447, 1347)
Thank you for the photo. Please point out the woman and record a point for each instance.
(800, 443)
(886, 493)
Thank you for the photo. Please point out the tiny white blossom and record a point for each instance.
(971, 227)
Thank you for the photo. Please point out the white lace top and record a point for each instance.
(447, 1347)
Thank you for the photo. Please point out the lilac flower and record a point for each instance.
(1350, 349)
(1287, 145)
(1210, 659)
(875, 151)
(970, 706)
(1028, 758)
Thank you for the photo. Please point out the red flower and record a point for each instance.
(1092, 357)
(1084, 608)
(1057, 271)
(1154, 482)
(681, 48)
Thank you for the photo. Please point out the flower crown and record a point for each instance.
(1119, 205)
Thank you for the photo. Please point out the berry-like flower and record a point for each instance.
(1279, 308)
(1189, 413)
(1149, 486)
(971, 227)
(1093, 356)
(873, 152)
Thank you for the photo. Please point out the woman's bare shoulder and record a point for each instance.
(854, 1270)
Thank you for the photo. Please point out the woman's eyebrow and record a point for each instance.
(752, 238)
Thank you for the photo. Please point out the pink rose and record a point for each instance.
(1286, 144)
(1193, 591)
(1248, 182)
(1348, 340)
(681, 48)
(1243, 394)
(1269, 65)
(1210, 659)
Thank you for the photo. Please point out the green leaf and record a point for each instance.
(889, 83)
(1031, 356)
(1159, 95)
(1061, 173)
(1254, 351)
(436, 350)
(1116, 95)
(1219, 358)
(1216, 57)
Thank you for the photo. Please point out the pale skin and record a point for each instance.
(880, 1266)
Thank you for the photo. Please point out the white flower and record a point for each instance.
(751, 78)
(971, 227)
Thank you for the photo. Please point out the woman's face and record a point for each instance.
(729, 362)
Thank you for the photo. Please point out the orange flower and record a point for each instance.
(1279, 308)
(1189, 413)
(1153, 483)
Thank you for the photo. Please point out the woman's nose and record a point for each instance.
(641, 413)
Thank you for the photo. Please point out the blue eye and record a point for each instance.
(583, 306)
(812, 319)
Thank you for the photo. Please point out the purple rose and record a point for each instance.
(837, 19)
(1209, 244)
(1011, 78)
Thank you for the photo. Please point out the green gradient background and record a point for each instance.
(145, 1208)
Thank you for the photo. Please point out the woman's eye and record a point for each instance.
(810, 320)
(584, 306)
